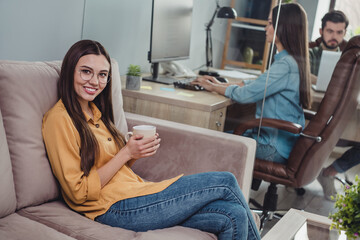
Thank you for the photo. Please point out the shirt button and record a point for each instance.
(109, 139)
(97, 125)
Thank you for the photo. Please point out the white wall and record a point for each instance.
(123, 27)
(39, 29)
(45, 29)
(311, 7)
(321, 10)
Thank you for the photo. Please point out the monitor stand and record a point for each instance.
(159, 79)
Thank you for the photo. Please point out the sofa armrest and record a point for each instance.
(189, 150)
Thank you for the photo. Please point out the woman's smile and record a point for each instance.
(90, 90)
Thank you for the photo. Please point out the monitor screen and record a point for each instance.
(170, 32)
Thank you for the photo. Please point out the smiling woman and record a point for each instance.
(92, 162)
(88, 87)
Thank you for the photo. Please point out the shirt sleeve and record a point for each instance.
(62, 143)
(314, 56)
(253, 91)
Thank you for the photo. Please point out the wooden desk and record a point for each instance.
(351, 131)
(197, 108)
(204, 109)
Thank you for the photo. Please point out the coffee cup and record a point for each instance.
(145, 130)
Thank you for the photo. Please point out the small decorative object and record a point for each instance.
(348, 216)
(133, 77)
(248, 55)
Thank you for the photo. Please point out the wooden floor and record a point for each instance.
(312, 201)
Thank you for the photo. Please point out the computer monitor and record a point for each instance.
(170, 35)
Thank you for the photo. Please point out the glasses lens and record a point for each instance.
(103, 77)
(86, 74)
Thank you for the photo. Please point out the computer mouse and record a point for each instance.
(221, 79)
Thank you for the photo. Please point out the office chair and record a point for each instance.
(341, 142)
(317, 139)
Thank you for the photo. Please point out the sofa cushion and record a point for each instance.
(117, 99)
(17, 227)
(7, 196)
(58, 216)
(27, 91)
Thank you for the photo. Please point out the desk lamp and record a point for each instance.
(222, 12)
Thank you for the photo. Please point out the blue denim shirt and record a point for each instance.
(282, 100)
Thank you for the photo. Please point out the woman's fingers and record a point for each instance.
(152, 146)
(140, 147)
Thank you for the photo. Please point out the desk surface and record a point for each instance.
(156, 92)
(210, 102)
(302, 225)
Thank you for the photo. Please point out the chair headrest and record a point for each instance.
(354, 42)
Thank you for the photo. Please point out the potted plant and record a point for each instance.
(347, 218)
(133, 77)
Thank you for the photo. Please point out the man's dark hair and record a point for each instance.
(334, 16)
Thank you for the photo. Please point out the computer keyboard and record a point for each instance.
(185, 84)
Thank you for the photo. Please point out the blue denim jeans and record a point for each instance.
(269, 153)
(266, 151)
(211, 202)
(348, 160)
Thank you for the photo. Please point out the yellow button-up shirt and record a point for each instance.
(84, 193)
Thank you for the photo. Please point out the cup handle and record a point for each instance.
(128, 135)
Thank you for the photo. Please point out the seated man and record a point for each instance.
(326, 177)
(333, 30)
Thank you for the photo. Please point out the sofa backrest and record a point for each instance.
(27, 91)
(7, 190)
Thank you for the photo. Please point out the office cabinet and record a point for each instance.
(245, 44)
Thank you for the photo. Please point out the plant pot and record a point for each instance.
(133, 82)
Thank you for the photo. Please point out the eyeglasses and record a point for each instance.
(87, 75)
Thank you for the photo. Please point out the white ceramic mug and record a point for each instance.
(145, 130)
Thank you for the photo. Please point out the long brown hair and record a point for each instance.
(292, 32)
(89, 148)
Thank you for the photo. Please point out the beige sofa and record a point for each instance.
(30, 204)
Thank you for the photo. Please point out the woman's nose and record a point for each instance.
(94, 80)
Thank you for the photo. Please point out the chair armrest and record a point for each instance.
(189, 150)
(309, 114)
(269, 122)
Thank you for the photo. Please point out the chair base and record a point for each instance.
(265, 215)
(269, 210)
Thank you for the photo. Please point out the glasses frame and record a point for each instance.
(92, 75)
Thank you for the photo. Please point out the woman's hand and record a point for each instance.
(139, 147)
(206, 82)
(211, 84)
(136, 148)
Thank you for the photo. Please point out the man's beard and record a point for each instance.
(330, 47)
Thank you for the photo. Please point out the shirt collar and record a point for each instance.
(96, 112)
(281, 54)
